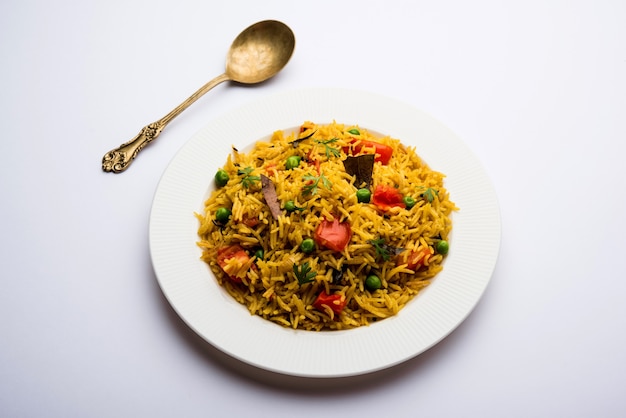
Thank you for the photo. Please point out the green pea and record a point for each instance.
(442, 247)
(363, 195)
(222, 215)
(307, 246)
(292, 162)
(221, 178)
(290, 206)
(259, 254)
(372, 282)
(409, 202)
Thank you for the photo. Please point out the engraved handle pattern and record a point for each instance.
(118, 160)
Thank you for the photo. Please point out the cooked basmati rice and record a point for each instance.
(268, 287)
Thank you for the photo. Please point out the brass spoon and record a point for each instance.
(258, 53)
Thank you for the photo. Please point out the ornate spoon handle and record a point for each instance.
(118, 159)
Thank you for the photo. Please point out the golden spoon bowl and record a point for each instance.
(259, 52)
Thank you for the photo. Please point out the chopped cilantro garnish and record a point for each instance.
(303, 273)
(430, 194)
(328, 149)
(313, 185)
(383, 250)
(248, 179)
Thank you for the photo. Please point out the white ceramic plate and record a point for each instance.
(190, 286)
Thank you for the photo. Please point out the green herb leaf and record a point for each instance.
(327, 184)
(303, 273)
(328, 149)
(313, 187)
(248, 179)
(383, 250)
(430, 194)
(354, 131)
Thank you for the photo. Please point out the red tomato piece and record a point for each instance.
(334, 302)
(313, 161)
(249, 221)
(224, 254)
(417, 259)
(383, 152)
(271, 167)
(386, 197)
(333, 235)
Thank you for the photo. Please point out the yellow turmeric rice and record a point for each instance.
(326, 227)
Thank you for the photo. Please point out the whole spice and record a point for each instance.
(269, 193)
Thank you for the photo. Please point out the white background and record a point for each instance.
(537, 90)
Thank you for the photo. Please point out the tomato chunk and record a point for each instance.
(418, 258)
(386, 197)
(334, 302)
(333, 235)
(249, 220)
(234, 270)
(271, 167)
(383, 152)
(312, 160)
